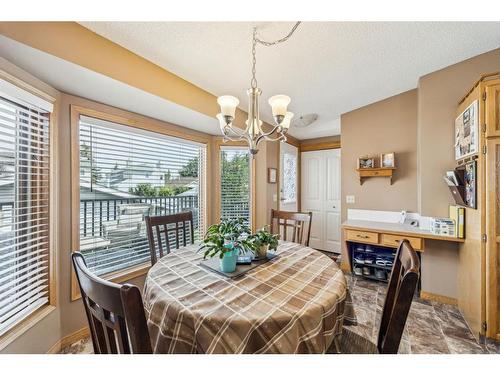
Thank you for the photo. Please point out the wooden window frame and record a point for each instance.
(36, 316)
(156, 126)
(219, 143)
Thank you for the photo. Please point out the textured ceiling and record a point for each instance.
(327, 68)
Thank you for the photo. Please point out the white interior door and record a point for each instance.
(320, 185)
(288, 177)
(332, 200)
(312, 194)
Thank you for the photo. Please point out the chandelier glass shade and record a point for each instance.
(254, 132)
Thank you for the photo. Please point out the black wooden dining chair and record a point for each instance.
(175, 228)
(292, 226)
(402, 285)
(115, 313)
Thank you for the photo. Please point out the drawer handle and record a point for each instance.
(360, 236)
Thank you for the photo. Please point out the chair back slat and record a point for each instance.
(402, 285)
(115, 313)
(299, 224)
(172, 227)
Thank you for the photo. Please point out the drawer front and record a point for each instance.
(393, 240)
(360, 236)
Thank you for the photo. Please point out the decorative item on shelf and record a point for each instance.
(387, 160)
(263, 241)
(254, 133)
(366, 167)
(365, 162)
(467, 132)
(272, 175)
(443, 226)
(457, 214)
(470, 182)
(227, 239)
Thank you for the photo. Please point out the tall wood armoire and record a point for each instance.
(479, 255)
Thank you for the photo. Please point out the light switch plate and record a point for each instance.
(275, 197)
(350, 199)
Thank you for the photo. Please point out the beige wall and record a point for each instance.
(438, 97)
(386, 126)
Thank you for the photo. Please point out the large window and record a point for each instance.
(127, 174)
(24, 204)
(235, 184)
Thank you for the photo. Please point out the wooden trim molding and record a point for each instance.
(319, 146)
(438, 298)
(70, 339)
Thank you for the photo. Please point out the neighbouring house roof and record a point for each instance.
(85, 183)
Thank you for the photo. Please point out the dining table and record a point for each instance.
(297, 302)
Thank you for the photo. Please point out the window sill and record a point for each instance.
(128, 273)
(116, 277)
(23, 326)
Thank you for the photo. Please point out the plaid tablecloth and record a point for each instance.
(294, 303)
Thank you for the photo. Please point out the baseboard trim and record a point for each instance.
(66, 341)
(438, 298)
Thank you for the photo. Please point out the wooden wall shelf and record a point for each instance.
(375, 172)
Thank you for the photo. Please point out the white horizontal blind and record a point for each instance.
(235, 183)
(24, 209)
(127, 174)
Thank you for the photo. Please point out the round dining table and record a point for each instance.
(294, 303)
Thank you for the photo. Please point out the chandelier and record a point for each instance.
(253, 133)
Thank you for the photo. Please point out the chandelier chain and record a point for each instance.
(284, 39)
(253, 82)
(255, 40)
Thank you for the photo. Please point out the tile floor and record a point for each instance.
(431, 327)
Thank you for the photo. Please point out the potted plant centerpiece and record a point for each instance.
(227, 239)
(263, 241)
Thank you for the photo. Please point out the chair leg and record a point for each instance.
(336, 343)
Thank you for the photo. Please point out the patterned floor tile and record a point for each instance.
(431, 327)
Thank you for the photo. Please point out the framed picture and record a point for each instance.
(467, 132)
(387, 160)
(470, 182)
(366, 162)
(272, 175)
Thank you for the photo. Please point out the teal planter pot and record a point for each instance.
(228, 261)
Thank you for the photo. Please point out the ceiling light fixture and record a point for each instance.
(253, 133)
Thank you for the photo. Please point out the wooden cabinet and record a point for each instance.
(394, 240)
(381, 238)
(493, 236)
(492, 107)
(361, 236)
(479, 255)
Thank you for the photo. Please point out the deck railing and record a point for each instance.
(96, 212)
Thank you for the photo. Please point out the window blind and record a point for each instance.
(235, 188)
(24, 209)
(127, 174)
